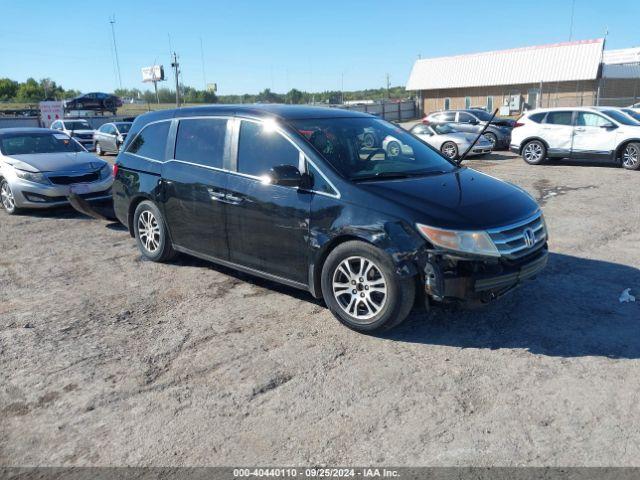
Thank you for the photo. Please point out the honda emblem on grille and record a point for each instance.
(529, 237)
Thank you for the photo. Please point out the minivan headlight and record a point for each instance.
(32, 177)
(474, 242)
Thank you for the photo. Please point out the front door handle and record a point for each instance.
(579, 130)
(215, 195)
(233, 199)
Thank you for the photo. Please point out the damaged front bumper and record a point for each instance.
(449, 278)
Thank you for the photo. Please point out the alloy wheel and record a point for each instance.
(532, 152)
(631, 156)
(449, 150)
(360, 288)
(149, 231)
(6, 196)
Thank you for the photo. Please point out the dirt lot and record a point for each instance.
(106, 359)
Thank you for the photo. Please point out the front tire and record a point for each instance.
(7, 199)
(534, 152)
(151, 233)
(99, 150)
(631, 156)
(362, 290)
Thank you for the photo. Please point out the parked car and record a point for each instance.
(79, 130)
(633, 113)
(110, 137)
(473, 121)
(289, 193)
(450, 142)
(103, 102)
(39, 168)
(586, 133)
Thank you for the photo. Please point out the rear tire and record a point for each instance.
(449, 150)
(534, 152)
(492, 138)
(151, 233)
(631, 156)
(362, 290)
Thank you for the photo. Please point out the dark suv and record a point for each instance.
(294, 195)
(473, 121)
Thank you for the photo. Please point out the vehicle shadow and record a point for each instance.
(63, 212)
(570, 310)
(576, 162)
(184, 260)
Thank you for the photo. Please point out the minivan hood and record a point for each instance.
(56, 162)
(465, 199)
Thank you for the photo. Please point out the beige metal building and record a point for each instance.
(562, 74)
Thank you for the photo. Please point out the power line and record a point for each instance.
(112, 21)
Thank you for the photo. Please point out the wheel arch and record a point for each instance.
(618, 151)
(400, 249)
(529, 139)
(135, 201)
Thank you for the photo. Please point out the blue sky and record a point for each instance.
(281, 44)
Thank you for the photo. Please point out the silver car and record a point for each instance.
(40, 168)
(451, 142)
(110, 137)
(80, 129)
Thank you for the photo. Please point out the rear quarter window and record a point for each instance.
(537, 117)
(151, 142)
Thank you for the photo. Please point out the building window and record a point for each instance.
(467, 102)
(489, 104)
(447, 103)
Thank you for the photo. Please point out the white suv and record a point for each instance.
(598, 133)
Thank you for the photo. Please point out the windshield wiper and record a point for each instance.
(397, 175)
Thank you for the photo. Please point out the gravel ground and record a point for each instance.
(107, 359)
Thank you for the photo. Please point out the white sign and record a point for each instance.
(50, 112)
(153, 74)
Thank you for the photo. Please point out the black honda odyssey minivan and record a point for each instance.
(317, 199)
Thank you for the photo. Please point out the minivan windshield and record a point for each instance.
(369, 148)
(30, 143)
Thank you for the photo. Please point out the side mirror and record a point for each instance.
(608, 125)
(284, 175)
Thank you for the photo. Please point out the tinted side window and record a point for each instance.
(201, 141)
(559, 118)
(319, 183)
(419, 130)
(447, 117)
(465, 118)
(537, 117)
(151, 141)
(260, 149)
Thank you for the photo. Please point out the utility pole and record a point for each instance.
(388, 86)
(112, 21)
(573, 9)
(204, 76)
(176, 69)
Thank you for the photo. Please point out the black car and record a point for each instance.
(473, 120)
(294, 195)
(103, 102)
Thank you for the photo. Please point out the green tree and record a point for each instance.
(30, 91)
(8, 89)
(295, 96)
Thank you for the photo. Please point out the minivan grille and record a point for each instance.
(511, 240)
(71, 179)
